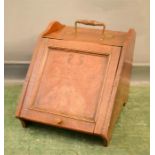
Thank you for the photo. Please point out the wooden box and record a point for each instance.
(78, 78)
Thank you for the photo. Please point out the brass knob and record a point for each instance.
(58, 121)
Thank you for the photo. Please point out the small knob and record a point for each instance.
(58, 121)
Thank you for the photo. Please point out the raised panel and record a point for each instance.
(71, 83)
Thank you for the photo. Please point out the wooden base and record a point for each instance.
(105, 142)
(124, 104)
(24, 123)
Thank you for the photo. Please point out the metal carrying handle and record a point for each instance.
(89, 22)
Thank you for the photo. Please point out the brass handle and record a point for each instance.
(90, 22)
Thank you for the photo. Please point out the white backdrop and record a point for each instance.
(25, 19)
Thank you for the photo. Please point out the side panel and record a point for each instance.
(121, 87)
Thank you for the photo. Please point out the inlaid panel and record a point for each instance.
(71, 83)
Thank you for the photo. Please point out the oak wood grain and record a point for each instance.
(78, 80)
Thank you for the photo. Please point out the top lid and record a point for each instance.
(59, 31)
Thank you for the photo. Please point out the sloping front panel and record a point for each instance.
(67, 84)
